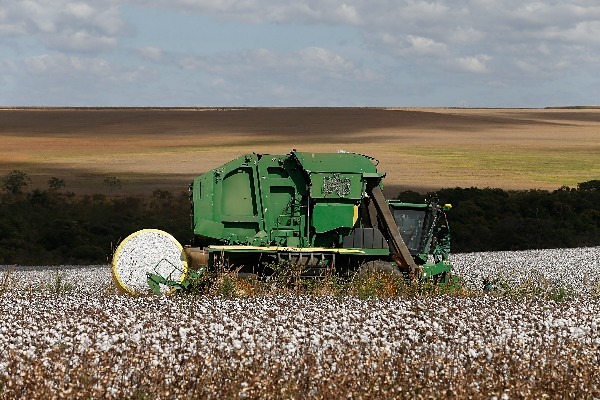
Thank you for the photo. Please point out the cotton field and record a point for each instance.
(576, 271)
(68, 334)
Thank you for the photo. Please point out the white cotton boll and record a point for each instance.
(183, 334)
(488, 354)
(576, 331)
(104, 346)
(136, 337)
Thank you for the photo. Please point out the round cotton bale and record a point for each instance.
(148, 251)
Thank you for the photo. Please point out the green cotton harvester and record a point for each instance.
(320, 212)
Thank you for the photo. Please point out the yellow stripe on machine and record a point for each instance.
(285, 249)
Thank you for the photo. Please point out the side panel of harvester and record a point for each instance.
(216, 215)
(252, 200)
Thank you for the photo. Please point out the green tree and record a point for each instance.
(56, 183)
(112, 182)
(589, 185)
(15, 181)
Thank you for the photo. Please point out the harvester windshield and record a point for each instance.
(411, 223)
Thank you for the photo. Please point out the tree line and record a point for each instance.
(495, 219)
(54, 226)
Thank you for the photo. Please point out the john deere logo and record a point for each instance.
(336, 184)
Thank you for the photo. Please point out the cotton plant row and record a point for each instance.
(576, 271)
(80, 345)
(86, 279)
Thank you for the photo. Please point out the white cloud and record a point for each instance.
(80, 10)
(78, 67)
(75, 26)
(8, 29)
(423, 10)
(309, 64)
(151, 53)
(405, 28)
(316, 57)
(426, 46)
(584, 32)
(56, 79)
(261, 11)
(465, 35)
(527, 67)
(543, 13)
(349, 14)
(514, 42)
(474, 64)
(80, 41)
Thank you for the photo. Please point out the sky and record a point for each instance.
(351, 53)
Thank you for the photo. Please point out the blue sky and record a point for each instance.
(396, 53)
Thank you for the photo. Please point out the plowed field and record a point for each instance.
(420, 149)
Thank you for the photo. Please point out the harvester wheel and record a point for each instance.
(148, 252)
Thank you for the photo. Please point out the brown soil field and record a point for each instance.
(420, 149)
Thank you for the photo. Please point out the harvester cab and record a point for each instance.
(424, 229)
(322, 212)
